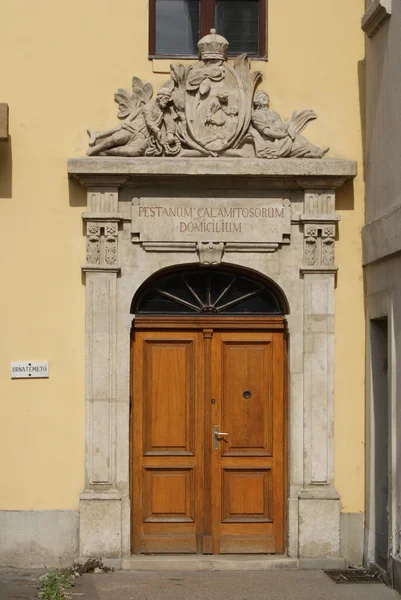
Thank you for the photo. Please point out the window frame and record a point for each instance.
(207, 10)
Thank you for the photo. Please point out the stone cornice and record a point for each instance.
(293, 172)
(376, 15)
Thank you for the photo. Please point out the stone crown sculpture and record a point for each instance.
(213, 46)
(207, 109)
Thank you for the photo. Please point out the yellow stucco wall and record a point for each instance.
(61, 64)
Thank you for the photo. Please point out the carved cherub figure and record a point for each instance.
(132, 137)
(275, 138)
(218, 109)
(161, 120)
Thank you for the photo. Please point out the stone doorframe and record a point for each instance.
(303, 266)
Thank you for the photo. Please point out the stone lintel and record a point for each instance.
(376, 15)
(299, 173)
(101, 217)
(101, 269)
(333, 218)
(319, 270)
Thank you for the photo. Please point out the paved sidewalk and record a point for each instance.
(217, 585)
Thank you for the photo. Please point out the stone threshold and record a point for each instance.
(238, 562)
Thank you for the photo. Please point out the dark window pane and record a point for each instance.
(238, 21)
(177, 26)
(211, 291)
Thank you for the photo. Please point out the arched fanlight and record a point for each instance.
(208, 291)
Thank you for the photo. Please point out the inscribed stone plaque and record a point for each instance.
(211, 219)
(3, 121)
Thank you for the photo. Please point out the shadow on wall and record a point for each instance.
(6, 171)
(362, 105)
(76, 193)
(345, 199)
(77, 198)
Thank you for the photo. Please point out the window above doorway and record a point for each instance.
(208, 291)
(175, 26)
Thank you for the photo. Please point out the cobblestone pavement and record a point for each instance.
(18, 584)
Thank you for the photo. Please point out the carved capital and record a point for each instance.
(101, 243)
(210, 253)
(319, 243)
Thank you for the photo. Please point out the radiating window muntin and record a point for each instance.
(208, 291)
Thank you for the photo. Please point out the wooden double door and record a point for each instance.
(208, 444)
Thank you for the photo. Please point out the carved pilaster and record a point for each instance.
(100, 502)
(319, 500)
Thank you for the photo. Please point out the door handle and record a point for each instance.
(216, 434)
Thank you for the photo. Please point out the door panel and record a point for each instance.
(168, 396)
(188, 497)
(248, 465)
(246, 397)
(247, 495)
(167, 441)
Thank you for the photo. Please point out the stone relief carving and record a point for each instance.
(93, 250)
(110, 250)
(310, 257)
(274, 138)
(206, 109)
(210, 253)
(94, 242)
(319, 245)
(328, 234)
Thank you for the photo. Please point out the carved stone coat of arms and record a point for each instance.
(207, 109)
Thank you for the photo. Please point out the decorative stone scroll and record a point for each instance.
(206, 109)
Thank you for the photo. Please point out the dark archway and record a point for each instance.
(209, 290)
